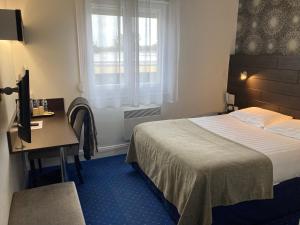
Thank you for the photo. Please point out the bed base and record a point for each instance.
(284, 209)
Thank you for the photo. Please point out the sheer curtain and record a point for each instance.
(129, 51)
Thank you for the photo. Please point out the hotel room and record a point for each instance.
(150, 112)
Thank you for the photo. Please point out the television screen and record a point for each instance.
(24, 131)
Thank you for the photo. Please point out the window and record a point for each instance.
(108, 50)
(132, 51)
(148, 50)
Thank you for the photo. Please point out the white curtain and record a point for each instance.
(128, 51)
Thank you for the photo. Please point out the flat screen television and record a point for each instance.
(24, 113)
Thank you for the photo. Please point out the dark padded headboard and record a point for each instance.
(273, 82)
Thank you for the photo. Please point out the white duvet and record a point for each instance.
(284, 152)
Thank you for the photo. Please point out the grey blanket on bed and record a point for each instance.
(197, 170)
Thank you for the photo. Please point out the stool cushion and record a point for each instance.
(56, 204)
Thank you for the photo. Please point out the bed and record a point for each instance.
(242, 162)
(239, 163)
(284, 152)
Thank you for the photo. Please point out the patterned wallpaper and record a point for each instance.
(268, 27)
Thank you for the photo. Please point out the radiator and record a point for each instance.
(133, 117)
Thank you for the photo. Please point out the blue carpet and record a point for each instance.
(114, 193)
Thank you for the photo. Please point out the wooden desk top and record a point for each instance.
(56, 132)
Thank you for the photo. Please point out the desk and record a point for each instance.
(56, 133)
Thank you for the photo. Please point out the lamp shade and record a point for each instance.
(11, 27)
(244, 75)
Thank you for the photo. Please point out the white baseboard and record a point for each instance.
(111, 150)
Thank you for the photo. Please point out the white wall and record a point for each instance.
(50, 51)
(11, 166)
(208, 33)
(208, 30)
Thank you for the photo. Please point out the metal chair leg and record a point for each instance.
(33, 172)
(79, 164)
(77, 160)
(32, 164)
(63, 169)
(40, 165)
(78, 168)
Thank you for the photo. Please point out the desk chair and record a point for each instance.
(74, 151)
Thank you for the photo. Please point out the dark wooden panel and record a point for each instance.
(285, 76)
(274, 87)
(265, 105)
(254, 61)
(273, 82)
(244, 97)
(290, 112)
(236, 71)
(245, 93)
(244, 103)
(289, 62)
(282, 100)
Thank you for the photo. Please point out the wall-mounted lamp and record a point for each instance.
(244, 75)
(11, 26)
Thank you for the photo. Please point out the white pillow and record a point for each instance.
(259, 117)
(289, 128)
